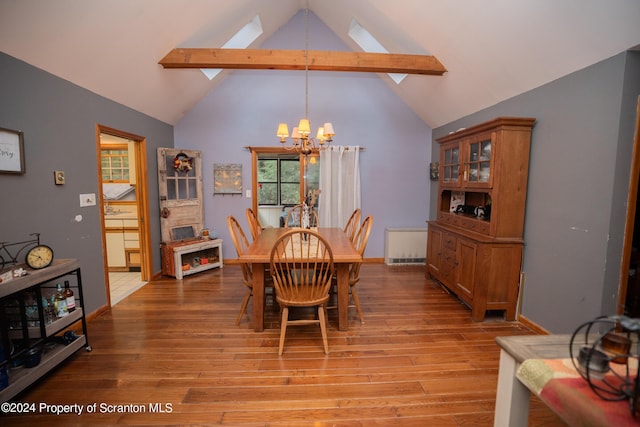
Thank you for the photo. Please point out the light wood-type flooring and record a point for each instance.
(171, 354)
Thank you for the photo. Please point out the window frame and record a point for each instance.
(280, 161)
(255, 152)
(127, 169)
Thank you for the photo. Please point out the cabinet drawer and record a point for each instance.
(113, 223)
(449, 257)
(131, 236)
(449, 218)
(131, 244)
(483, 227)
(473, 224)
(449, 242)
(130, 223)
(133, 258)
(445, 217)
(448, 273)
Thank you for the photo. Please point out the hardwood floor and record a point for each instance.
(173, 346)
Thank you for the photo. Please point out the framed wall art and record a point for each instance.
(227, 178)
(11, 151)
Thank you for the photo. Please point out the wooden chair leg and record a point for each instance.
(243, 307)
(283, 328)
(356, 300)
(323, 328)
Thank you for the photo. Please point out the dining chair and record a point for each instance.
(294, 217)
(360, 240)
(352, 224)
(301, 263)
(254, 223)
(241, 244)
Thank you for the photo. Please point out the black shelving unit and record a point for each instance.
(23, 324)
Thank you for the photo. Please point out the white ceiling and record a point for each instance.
(493, 49)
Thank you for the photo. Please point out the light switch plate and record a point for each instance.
(87, 200)
(58, 177)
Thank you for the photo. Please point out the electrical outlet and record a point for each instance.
(87, 200)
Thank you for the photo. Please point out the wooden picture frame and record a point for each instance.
(11, 151)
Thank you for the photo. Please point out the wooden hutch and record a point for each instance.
(474, 247)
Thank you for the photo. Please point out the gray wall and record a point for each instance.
(246, 107)
(578, 185)
(59, 123)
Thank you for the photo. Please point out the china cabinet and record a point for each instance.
(33, 338)
(474, 247)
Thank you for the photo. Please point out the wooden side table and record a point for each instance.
(512, 397)
(191, 253)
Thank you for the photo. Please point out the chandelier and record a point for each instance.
(302, 143)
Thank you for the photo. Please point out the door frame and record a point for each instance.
(632, 200)
(142, 202)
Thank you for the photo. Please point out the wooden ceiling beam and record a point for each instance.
(269, 59)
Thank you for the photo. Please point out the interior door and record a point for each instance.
(180, 190)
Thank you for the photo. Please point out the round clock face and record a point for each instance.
(39, 256)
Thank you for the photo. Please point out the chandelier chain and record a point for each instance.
(306, 62)
(303, 142)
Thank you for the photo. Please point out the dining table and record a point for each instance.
(259, 251)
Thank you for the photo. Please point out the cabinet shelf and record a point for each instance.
(21, 377)
(52, 328)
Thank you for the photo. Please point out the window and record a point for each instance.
(281, 178)
(183, 184)
(278, 180)
(115, 164)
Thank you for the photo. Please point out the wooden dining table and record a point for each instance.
(344, 253)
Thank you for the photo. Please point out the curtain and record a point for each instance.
(339, 184)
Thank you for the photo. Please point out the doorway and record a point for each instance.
(122, 172)
(629, 295)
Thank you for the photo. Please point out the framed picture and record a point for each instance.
(11, 151)
(227, 178)
(434, 170)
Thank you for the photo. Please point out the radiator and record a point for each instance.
(405, 246)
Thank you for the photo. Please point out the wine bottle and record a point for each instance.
(60, 302)
(68, 294)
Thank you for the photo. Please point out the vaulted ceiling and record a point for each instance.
(492, 49)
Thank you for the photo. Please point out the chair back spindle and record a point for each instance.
(254, 223)
(352, 224)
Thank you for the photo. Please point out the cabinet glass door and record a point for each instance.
(479, 161)
(451, 164)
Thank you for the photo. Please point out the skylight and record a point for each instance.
(368, 43)
(241, 40)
